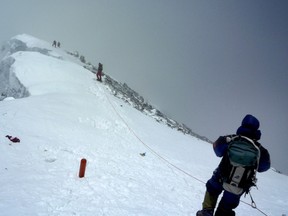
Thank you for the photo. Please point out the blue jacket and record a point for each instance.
(220, 148)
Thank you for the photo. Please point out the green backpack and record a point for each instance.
(240, 164)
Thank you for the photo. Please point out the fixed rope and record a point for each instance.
(253, 204)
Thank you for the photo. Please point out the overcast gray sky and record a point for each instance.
(204, 63)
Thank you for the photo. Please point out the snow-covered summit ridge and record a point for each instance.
(32, 51)
(34, 58)
(26, 42)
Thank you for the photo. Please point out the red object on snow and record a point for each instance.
(82, 168)
(13, 139)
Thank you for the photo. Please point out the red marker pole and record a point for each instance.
(82, 168)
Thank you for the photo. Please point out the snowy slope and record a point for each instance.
(69, 116)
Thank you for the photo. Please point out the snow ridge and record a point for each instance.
(11, 87)
(130, 96)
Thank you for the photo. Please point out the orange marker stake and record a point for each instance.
(82, 168)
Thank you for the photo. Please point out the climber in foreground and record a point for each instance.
(242, 156)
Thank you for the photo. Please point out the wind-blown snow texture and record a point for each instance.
(63, 114)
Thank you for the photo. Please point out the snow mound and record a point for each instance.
(31, 54)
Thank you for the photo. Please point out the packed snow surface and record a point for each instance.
(67, 116)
